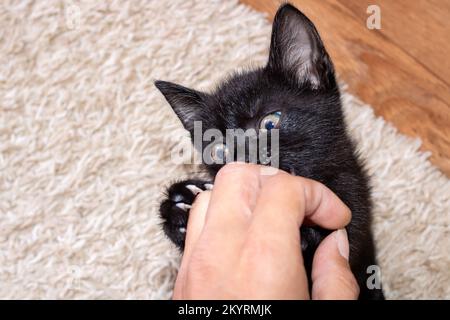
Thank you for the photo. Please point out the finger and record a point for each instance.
(297, 198)
(331, 274)
(323, 207)
(279, 211)
(195, 226)
(233, 198)
(196, 222)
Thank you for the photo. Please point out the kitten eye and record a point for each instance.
(270, 121)
(219, 153)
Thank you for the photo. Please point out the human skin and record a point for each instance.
(243, 239)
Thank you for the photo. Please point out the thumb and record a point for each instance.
(195, 225)
(331, 275)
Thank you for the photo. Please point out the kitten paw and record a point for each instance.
(175, 209)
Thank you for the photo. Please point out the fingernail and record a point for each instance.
(342, 243)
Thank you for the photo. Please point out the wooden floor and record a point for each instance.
(402, 70)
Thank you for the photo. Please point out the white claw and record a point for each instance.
(183, 206)
(194, 189)
(182, 230)
(209, 186)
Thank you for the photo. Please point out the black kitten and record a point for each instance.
(296, 92)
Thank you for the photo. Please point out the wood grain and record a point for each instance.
(402, 70)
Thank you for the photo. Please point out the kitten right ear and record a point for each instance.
(184, 101)
(297, 50)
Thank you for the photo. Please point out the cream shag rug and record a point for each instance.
(85, 143)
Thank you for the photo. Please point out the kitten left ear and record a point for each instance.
(184, 101)
(297, 50)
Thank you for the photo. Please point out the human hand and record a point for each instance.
(243, 239)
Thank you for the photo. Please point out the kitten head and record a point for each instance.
(295, 92)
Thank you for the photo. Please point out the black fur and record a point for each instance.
(298, 80)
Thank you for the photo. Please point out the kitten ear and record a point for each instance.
(297, 50)
(184, 101)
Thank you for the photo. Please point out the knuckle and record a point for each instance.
(231, 168)
(236, 171)
(278, 180)
(283, 181)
